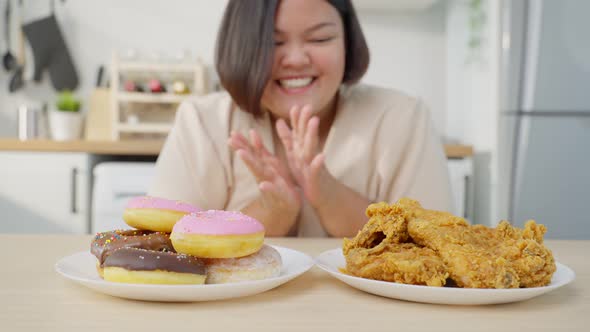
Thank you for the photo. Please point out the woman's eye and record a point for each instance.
(321, 40)
(278, 43)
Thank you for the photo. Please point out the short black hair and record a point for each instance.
(245, 48)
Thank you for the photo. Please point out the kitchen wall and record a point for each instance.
(408, 53)
(472, 91)
(408, 48)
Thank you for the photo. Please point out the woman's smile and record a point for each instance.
(296, 85)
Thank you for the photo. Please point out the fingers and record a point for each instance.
(266, 187)
(278, 192)
(244, 150)
(285, 135)
(311, 139)
(312, 172)
(294, 117)
(299, 117)
(237, 141)
(259, 147)
(256, 140)
(254, 165)
(302, 142)
(255, 146)
(261, 163)
(316, 165)
(302, 122)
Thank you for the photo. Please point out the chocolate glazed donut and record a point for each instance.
(137, 256)
(106, 243)
(136, 259)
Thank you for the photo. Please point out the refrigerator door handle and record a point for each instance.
(522, 134)
(531, 54)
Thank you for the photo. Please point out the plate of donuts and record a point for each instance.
(81, 268)
(177, 252)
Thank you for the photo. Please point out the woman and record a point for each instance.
(294, 142)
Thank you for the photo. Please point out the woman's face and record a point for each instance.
(309, 57)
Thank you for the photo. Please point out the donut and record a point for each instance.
(146, 257)
(266, 263)
(141, 266)
(217, 234)
(155, 214)
(106, 243)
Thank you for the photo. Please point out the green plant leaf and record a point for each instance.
(67, 102)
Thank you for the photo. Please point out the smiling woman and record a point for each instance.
(326, 34)
(295, 142)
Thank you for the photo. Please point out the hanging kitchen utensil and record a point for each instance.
(17, 81)
(50, 52)
(8, 60)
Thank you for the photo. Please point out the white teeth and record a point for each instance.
(296, 83)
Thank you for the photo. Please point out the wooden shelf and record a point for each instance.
(140, 147)
(158, 67)
(144, 128)
(458, 150)
(164, 98)
(195, 76)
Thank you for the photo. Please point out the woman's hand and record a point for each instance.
(278, 192)
(304, 155)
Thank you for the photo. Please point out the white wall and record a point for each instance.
(407, 48)
(408, 53)
(473, 99)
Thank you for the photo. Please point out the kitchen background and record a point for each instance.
(448, 52)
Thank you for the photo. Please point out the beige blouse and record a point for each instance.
(382, 144)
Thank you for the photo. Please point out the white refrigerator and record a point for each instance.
(544, 149)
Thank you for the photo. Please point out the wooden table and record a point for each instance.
(33, 297)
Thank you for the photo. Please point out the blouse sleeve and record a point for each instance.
(423, 172)
(189, 167)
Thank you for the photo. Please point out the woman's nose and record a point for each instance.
(295, 56)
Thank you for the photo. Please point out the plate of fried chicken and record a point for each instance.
(410, 253)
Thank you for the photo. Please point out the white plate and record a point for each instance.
(81, 268)
(331, 260)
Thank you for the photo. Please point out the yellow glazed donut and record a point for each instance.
(217, 234)
(266, 263)
(155, 214)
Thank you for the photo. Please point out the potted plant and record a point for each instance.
(65, 120)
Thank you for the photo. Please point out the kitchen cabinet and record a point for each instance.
(462, 185)
(44, 192)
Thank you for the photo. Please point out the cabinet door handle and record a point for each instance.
(128, 194)
(74, 191)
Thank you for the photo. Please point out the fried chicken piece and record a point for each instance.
(378, 252)
(533, 262)
(387, 224)
(481, 257)
(404, 263)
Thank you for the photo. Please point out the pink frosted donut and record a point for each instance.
(217, 234)
(155, 214)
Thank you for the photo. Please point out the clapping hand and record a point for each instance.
(304, 155)
(278, 192)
